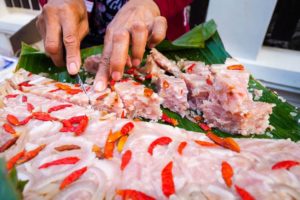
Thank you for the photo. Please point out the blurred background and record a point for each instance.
(262, 34)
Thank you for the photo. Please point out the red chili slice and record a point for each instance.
(181, 147)
(243, 193)
(101, 97)
(11, 96)
(123, 115)
(77, 119)
(148, 76)
(62, 161)
(286, 164)
(59, 107)
(31, 154)
(125, 159)
(191, 68)
(8, 144)
(30, 107)
(12, 162)
(205, 143)
(235, 67)
(133, 195)
(125, 80)
(55, 90)
(72, 178)
(25, 121)
(169, 120)
(81, 126)
(227, 173)
(24, 98)
(127, 128)
(9, 129)
(73, 91)
(62, 86)
(13, 120)
(131, 70)
(67, 147)
(43, 116)
(109, 146)
(168, 187)
(159, 141)
(25, 84)
(228, 143)
(209, 82)
(205, 127)
(165, 84)
(112, 83)
(148, 92)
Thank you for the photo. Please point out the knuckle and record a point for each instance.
(156, 38)
(162, 19)
(109, 31)
(115, 63)
(71, 57)
(64, 7)
(139, 26)
(51, 47)
(70, 40)
(48, 10)
(120, 36)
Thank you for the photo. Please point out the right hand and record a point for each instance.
(63, 24)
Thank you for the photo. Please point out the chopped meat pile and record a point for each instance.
(221, 93)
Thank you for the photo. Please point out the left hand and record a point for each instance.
(138, 23)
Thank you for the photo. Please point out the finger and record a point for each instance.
(128, 61)
(72, 44)
(102, 75)
(119, 54)
(84, 29)
(40, 24)
(53, 40)
(139, 34)
(159, 30)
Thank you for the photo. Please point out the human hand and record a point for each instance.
(138, 23)
(63, 24)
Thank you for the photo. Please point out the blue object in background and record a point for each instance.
(5, 63)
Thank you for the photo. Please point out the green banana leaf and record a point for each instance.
(202, 43)
(10, 187)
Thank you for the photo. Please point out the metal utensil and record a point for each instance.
(83, 88)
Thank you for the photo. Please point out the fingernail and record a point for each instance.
(99, 86)
(116, 76)
(73, 68)
(136, 62)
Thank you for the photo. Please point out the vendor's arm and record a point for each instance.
(63, 23)
(137, 24)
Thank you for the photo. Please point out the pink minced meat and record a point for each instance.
(106, 100)
(229, 105)
(221, 93)
(174, 92)
(198, 79)
(165, 63)
(138, 100)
